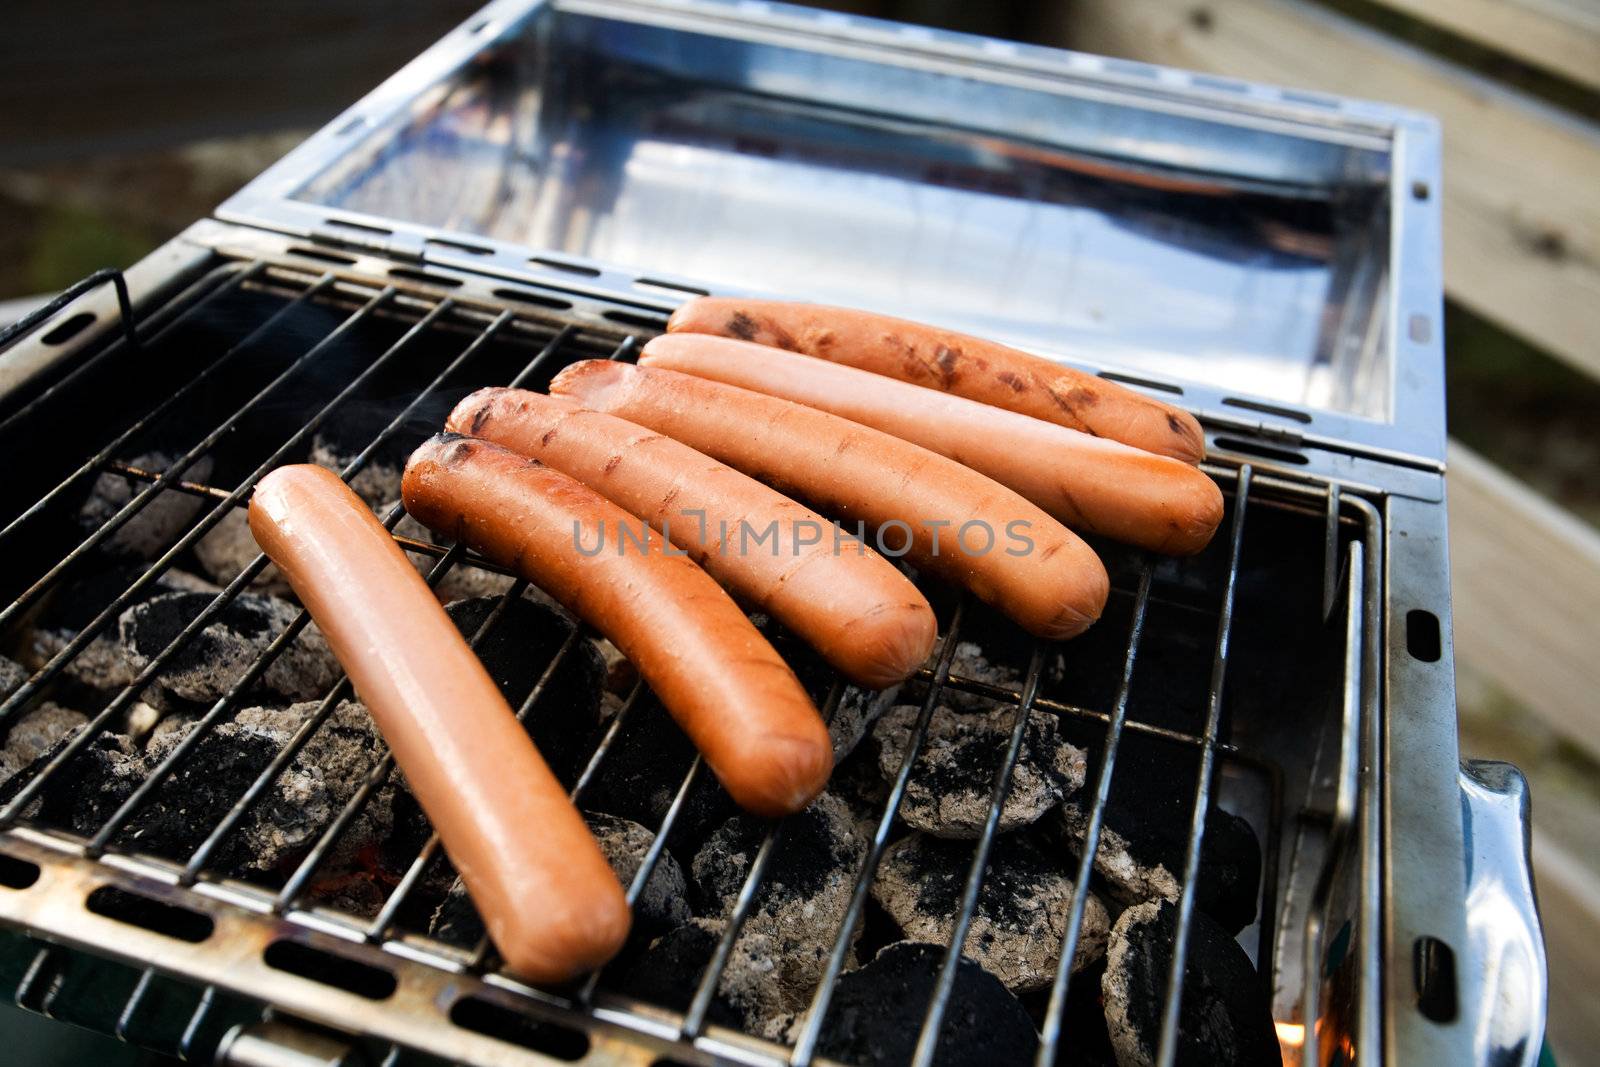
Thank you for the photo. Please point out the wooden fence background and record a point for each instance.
(1521, 204)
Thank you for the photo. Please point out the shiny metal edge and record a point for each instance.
(1414, 431)
(1506, 984)
(1370, 1019)
(1425, 862)
(416, 1016)
(1354, 713)
(30, 357)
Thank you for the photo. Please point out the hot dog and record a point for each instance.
(721, 681)
(851, 604)
(1089, 483)
(952, 362)
(547, 895)
(1004, 549)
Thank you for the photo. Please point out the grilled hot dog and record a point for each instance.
(952, 362)
(851, 604)
(1089, 483)
(718, 677)
(995, 543)
(549, 899)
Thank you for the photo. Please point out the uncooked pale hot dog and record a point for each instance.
(550, 902)
(965, 527)
(952, 362)
(851, 604)
(1089, 483)
(721, 681)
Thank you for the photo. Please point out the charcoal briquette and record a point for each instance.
(102, 667)
(953, 780)
(36, 733)
(802, 901)
(149, 532)
(877, 1013)
(214, 659)
(288, 818)
(1017, 929)
(669, 972)
(1141, 857)
(1225, 1017)
(229, 547)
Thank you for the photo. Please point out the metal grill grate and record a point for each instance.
(310, 326)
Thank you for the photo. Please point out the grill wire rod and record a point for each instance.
(591, 996)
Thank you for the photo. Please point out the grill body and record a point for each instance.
(1299, 671)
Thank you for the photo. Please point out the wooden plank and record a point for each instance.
(1560, 37)
(1569, 910)
(1526, 578)
(1521, 215)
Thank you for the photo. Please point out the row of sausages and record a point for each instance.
(739, 412)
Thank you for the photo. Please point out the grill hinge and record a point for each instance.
(405, 247)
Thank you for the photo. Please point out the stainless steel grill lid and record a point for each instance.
(1271, 256)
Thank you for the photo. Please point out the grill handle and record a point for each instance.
(280, 1043)
(1502, 977)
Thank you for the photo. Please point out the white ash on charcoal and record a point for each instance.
(1144, 838)
(1021, 915)
(1225, 1017)
(952, 782)
(229, 547)
(214, 659)
(972, 662)
(160, 522)
(103, 667)
(670, 971)
(35, 734)
(141, 720)
(800, 905)
(12, 675)
(642, 770)
(288, 818)
(664, 901)
(85, 790)
(516, 651)
(1142, 859)
(662, 906)
(877, 1013)
(337, 444)
(855, 715)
